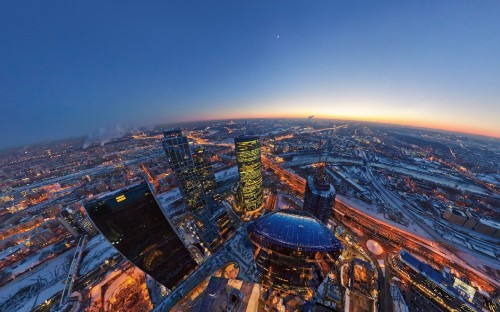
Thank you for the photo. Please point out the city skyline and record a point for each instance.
(351, 216)
(68, 70)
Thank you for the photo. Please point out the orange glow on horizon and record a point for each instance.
(392, 120)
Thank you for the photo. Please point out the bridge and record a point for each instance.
(73, 269)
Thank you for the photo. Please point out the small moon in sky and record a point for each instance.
(278, 36)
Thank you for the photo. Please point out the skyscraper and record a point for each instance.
(132, 220)
(176, 147)
(319, 196)
(191, 172)
(204, 167)
(249, 197)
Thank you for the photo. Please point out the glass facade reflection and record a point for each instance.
(293, 250)
(176, 147)
(204, 167)
(249, 195)
(133, 222)
(319, 198)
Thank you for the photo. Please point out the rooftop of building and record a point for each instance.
(458, 212)
(294, 229)
(246, 137)
(320, 185)
(422, 267)
(490, 222)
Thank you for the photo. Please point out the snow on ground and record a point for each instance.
(490, 178)
(97, 250)
(41, 284)
(31, 262)
(449, 181)
(226, 173)
(372, 211)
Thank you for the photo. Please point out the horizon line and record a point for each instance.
(319, 117)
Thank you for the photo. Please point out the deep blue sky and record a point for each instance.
(68, 68)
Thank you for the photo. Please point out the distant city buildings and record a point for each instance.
(319, 197)
(249, 197)
(472, 221)
(133, 222)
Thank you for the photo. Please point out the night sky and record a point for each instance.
(68, 68)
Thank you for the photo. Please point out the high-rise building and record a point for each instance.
(176, 147)
(205, 172)
(132, 220)
(249, 197)
(319, 196)
(191, 172)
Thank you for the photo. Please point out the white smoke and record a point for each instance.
(104, 135)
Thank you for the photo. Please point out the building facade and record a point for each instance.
(196, 183)
(250, 195)
(293, 250)
(134, 223)
(203, 165)
(319, 197)
(177, 148)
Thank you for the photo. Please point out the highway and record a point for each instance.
(428, 248)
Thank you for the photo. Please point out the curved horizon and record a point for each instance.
(68, 69)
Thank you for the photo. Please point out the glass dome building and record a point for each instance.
(293, 249)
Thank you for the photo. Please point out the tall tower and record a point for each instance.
(249, 197)
(191, 172)
(176, 147)
(204, 167)
(319, 196)
(134, 223)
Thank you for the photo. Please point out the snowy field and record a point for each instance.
(97, 250)
(372, 211)
(34, 288)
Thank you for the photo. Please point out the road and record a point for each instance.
(426, 248)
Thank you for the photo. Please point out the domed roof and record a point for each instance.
(294, 229)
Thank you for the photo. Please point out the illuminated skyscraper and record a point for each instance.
(204, 167)
(319, 196)
(191, 172)
(176, 147)
(249, 197)
(133, 222)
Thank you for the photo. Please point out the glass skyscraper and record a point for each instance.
(249, 197)
(205, 172)
(319, 197)
(133, 222)
(191, 172)
(176, 147)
